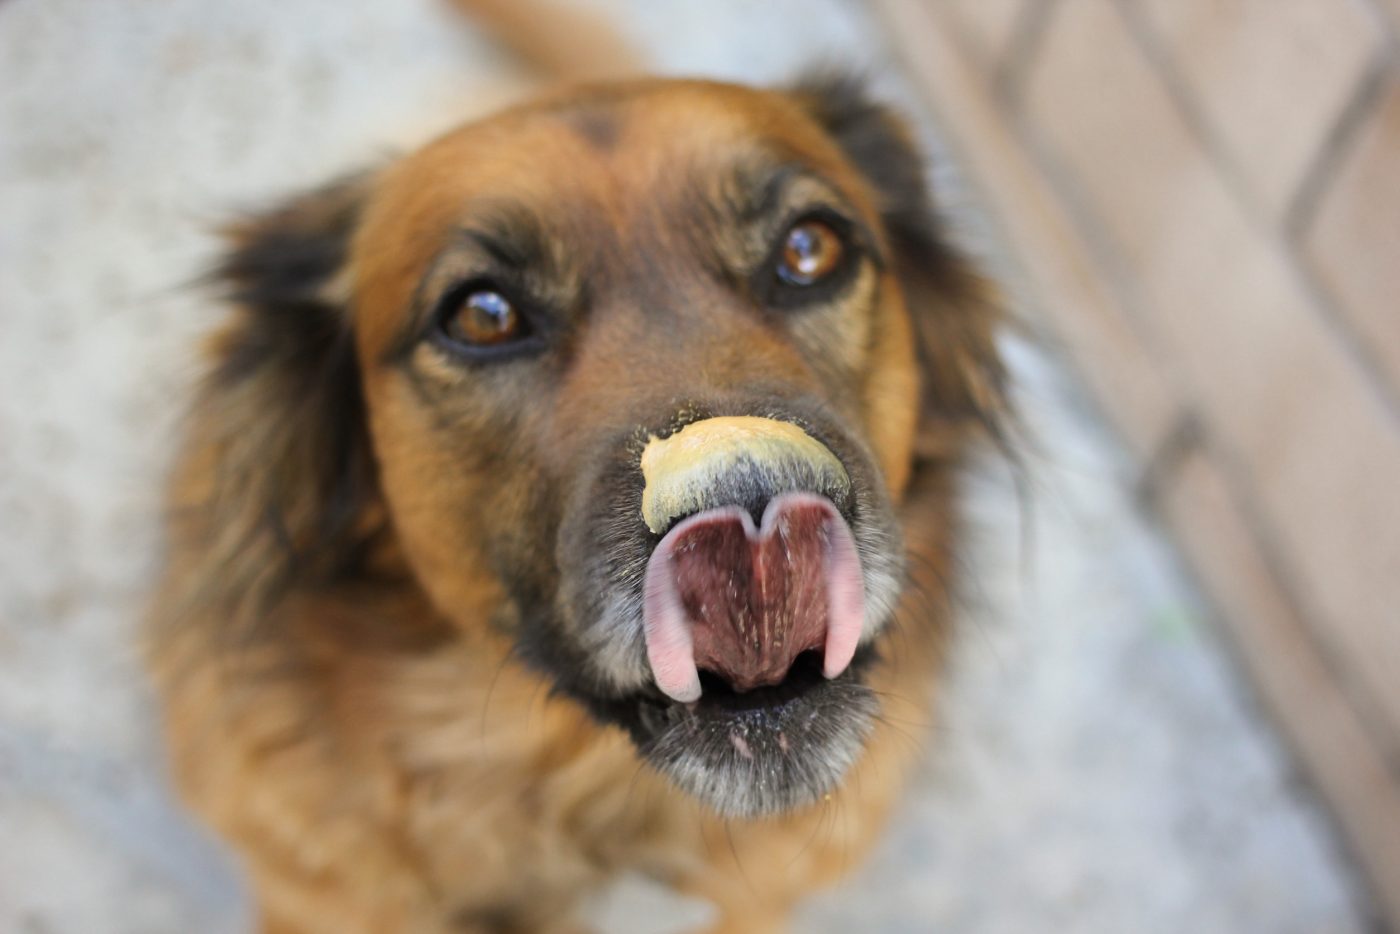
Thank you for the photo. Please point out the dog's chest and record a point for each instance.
(506, 790)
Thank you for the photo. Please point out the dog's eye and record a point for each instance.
(812, 250)
(484, 318)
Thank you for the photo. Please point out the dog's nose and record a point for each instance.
(733, 461)
(738, 597)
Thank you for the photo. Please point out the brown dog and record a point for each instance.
(575, 495)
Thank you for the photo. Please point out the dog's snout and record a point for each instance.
(742, 461)
(756, 564)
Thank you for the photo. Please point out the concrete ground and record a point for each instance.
(1100, 767)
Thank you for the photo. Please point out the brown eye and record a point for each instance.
(484, 318)
(811, 252)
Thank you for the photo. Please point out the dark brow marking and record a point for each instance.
(600, 129)
(762, 192)
(767, 199)
(508, 237)
(763, 199)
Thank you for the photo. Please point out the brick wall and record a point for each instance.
(1202, 198)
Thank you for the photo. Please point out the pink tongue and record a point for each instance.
(744, 602)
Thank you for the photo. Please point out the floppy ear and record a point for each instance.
(955, 311)
(276, 485)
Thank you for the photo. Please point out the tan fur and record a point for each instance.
(384, 780)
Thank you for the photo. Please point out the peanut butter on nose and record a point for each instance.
(679, 469)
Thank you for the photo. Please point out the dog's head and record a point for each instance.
(637, 378)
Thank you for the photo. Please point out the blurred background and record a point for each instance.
(1176, 698)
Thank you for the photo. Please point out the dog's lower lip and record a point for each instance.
(762, 752)
(657, 711)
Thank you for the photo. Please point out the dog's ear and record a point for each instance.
(956, 312)
(277, 487)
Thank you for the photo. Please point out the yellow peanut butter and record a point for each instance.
(677, 470)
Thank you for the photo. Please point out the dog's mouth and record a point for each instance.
(752, 631)
(742, 600)
(730, 629)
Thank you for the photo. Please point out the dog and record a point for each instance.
(576, 495)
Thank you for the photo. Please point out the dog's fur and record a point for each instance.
(397, 636)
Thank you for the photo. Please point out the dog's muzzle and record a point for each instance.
(756, 564)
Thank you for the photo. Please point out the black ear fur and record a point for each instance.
(956, 313)
(277, 487)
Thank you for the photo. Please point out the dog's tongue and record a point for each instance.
(743, 601)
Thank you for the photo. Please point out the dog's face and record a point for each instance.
(641, 385)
